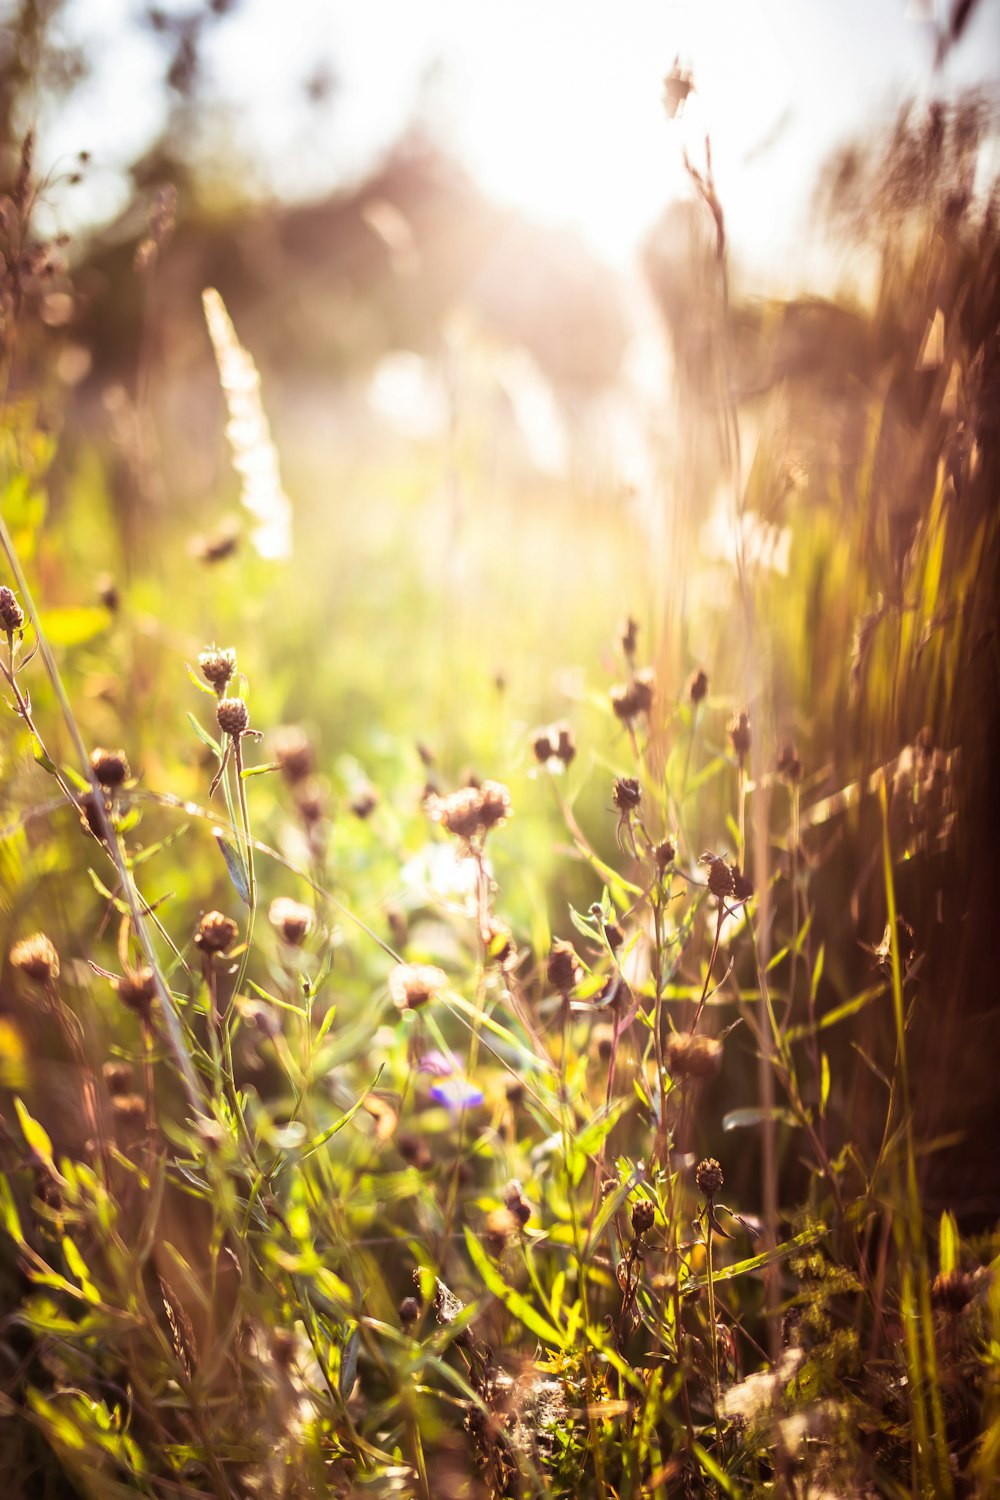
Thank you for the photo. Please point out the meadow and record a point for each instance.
(497, 1001)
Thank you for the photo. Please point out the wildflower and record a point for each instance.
(412, 985)
(11, 613)
(693, 1056)
(698, 686)
(664, 854)
(499, 1226)
(109, 766)
(294, 753)
(472, 811)
(720, 876)
(709, 1177)
(457, 1094)
(290, 919)
(216, 933)
(739, 735)
(627, 793)
(136, 989)
(631, 700)
(36, 957)
(789, 765)
(643, 1217)
(217, 667)
(564, 970)
(233, 716)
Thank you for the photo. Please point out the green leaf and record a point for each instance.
(249, 771)
(235, 864)
(204, 735)
(41, 757)
(78, 1266)
(757, 1262)
(35, 1134)
(839, 1013)
(817, 973)
(199, 681)
(949, 1243)
(321, 1140)
(9, 1214)
(824, 1089)
(518, 1307)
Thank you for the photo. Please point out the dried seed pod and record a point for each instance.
(11, 613)
(109, 766)
(693, 1056)
(499, 1226)
(643, 1217)
(215, 933)
(36, 957)
(709, 1177)
(411, 986)
(364, 800)
(233, 716)
(290, 919)
(564, 970)
(565, 743)
(739, 734)
(664, 854)
(294, 753)
(542, 746)
(720, 876)
(627, 793)
(217, 667)
(517, 1203)
(698, 686)
(136, 989)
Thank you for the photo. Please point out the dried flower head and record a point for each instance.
(693, 1056)
(473, 810)
(36, 957)
(565, 743)
(742, 885)
(517, 1203)
(233, 716)
(412, 985)
(629, 637)
(664, 854)
(290, 919)
(615, 935)
(216, 933)
(564, 970)
(109, 766)
(499, 1226)
(364, 800)
(720, 876)
(117, 1077)
(414, 1151)
(11, 613)
(952, 1291)
(217, 667)
(543, 747)
(643, 1217)
(709, 1177)
(627, 793)
(789, 765)
(698, 686)
(409, 1311)
(310, 801)
(136, 989)
(739, 734)
(107, 592)
(294, 753)
(602, 1040)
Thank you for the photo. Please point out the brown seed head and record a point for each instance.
(215, 933)
(290, 919)
(36, 957)
(629, 637)
(614, 934)
(693, 1056)
(129, 1108)
(542, 746)
(720, 876)
(698, 686)
(109, 766)
(117, 1076)
(136, 989)
(412, 985)
(107, 592)
(742, 885)
(565, 743)
(644, 690)
(709, 1177)
(294, 753)
(409, 1311)
(789, 765)
(233, 716)
(664, 855)
(952, 1291)
(602, 1040)
(11, 613)
(473, 810)
(415, 1152)
(564, 970)
(217, 667)
(517, 1203)
(495, 806)
(624, 702)
(627, 793)
(643, 1217)
(739, 734)
(499, 1226)
(364, 800)
(310, 800)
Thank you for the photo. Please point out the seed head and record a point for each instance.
(789, 765)
(129, 1108)
(644, 689)
(107, 593)
(36, 957)
(310, 800)
(215, 933)
(137, 990)
(664, 855)
(414, 1151)
(11, 613)
(471, 811)
(709, 1177)
(217, 667)
(290, 919)
(499, 1226)
(412, 985)
(629, 637)
(294, 753)
(627, 793)
(739, 734)
(565, 743)
(563, 970)
(693, 1056)
(109, 766)
(495, 805)
(117, 1076)
(543, 746)
(364, 801)
(698, 686)
(517, 1203)
(742, 885)
(233, 716)
(952, 1291)
(409, 1311)
(643, 1217)
(720, 876)
(602, 1040)
(615, 935)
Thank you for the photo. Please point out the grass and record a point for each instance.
(429, 1102)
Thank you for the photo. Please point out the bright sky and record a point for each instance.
(553, 104)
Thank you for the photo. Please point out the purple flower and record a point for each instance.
(457, 1094)
(438, 1064)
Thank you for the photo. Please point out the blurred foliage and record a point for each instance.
(385, 1189)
